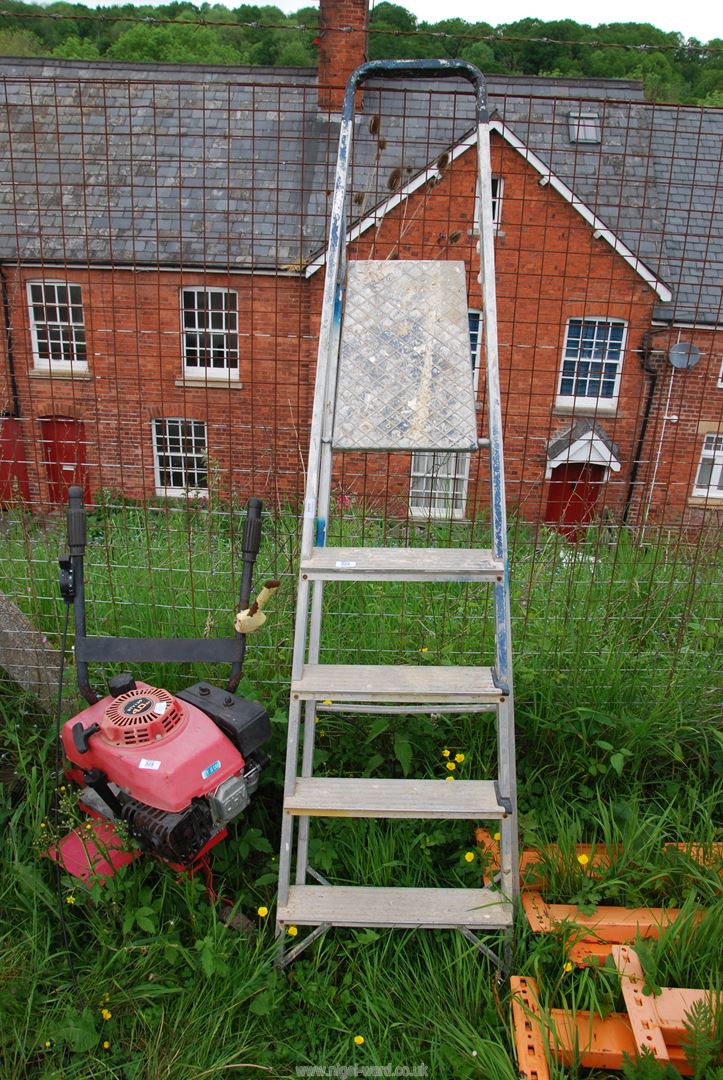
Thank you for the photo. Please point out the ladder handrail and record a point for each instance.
(417, 69)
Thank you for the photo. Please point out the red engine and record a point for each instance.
(175, 769)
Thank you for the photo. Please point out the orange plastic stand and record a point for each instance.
(595, 934)
(653, 1023)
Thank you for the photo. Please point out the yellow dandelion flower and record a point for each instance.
(451, 766)
(70, 899)
(262, 912)
(469, 857)
(292, 931)
(459, 758)
(106, 1014)
(359, 1040)
(568, 967)
(496, 836)
(583, 859)
(445, 753)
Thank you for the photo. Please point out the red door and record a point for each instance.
(13, 468)
(574, 490)
(64, 455)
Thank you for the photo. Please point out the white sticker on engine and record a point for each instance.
(148, 763)
(160, 707)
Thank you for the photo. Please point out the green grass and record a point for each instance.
(615, 659)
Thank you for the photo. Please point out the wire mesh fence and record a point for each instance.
(162, 241)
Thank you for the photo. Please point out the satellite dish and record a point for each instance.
(684, 355)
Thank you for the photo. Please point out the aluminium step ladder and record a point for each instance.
(399, 379)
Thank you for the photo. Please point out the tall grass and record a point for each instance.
(615, 655)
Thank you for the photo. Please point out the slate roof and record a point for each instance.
(232, 167)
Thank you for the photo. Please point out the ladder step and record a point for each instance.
(403, 564)
(400, 683)
(361, 797)
(430, 909)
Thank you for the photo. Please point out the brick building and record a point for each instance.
(162, 236)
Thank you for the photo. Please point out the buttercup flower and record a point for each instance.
(469, 857)
(292, 931)
(568, 967)
(496, 836)
(48, 1044)
(459, 758)
(106, 1014)
(583, 859)
(70, 899)
(449, 778)
(106, 1045)
(262, 912)
(359, 1040)
(451, 766)
(424, 649)
(445, 753)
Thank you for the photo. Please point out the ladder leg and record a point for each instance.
(307, 762)
(307, 766)
(287, 823)
(509, 857)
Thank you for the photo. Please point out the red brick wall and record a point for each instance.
(550, 267)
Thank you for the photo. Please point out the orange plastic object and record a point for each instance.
(530, 1039)
(656, 1023)
(598, 856)
(640, 1006)
(596, 933)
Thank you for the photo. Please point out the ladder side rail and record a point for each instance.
(322, 519)
(494, 410)
(505, 714)
(329, 332)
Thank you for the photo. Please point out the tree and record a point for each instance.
(177, 44)
(20, 43)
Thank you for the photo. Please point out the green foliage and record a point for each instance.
(618, 741)
(671, 68)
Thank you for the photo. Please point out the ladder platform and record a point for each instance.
(361, 797)
(426, 909)
(402, 564)
(401, 683)
(405, 378)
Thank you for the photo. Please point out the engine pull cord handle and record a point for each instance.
(253, 618)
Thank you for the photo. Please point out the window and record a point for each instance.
(210, 333)
(497, 185)
(592, 362)
(57, 327)
(438, 481)
(709, 479)
(584, 127)
(179, 452)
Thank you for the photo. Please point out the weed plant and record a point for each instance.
(619, 746)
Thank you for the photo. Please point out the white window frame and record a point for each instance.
(192, 462)
(448, 470)
(69, 334)
(599, 403)
(720, 377)
(584, 126)
(712, 452)
(227, 344)
(498, 188)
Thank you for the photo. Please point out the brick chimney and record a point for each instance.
(343, 26)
